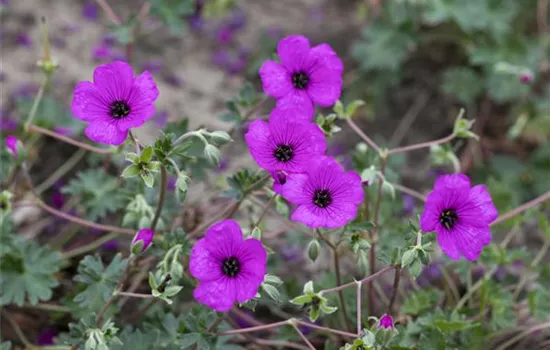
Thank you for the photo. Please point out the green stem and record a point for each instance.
(162, 195)
(396, 280)
(36, 103)
(16, 328)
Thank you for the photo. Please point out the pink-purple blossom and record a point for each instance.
(460, 215)
(284, 144)
(386, 322)
(115, 102)
(230, 269)
(304, 77)
(145, 236)
(11, 143)
(325, 194)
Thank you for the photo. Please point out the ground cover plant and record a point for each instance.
(305, 214)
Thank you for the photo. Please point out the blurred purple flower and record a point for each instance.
(71, 28)
(23, 40)
(386, 322)
(57, 199)
(46, 336)
(196, 23)
(437, 172)
(90, 11)
(292, 254)
(237, 19)
(171, 185)
(58, 42)
(526, 77)
(111, 245)
(224, 163)
(109, 40)
(161, 118)
(6, 123)
(173, 80)
(101, 52)
(317, 14)
(153, 66)
(408, 204)
(2, 76)
(221, 57)
(118, 55)
(224, 35)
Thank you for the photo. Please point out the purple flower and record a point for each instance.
(526, 77)
(460, 216)
(386, 322)
(71, 28)
(305, 75)
(12, 144)
(101, 52)
(173, 80)
(229, 268)
(145, 236)
(23, 40)
(326, 195)
(284, 144)
(2, 76)
(161, 119)
(46, 336)
(224, 36)
(6, 123)
(237, 19)
(115, 102)
(153, 66)
(171, 185)
(90, 11)
(408, 204)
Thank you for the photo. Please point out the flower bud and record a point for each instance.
(12, 144)
(212, 154)
(313, 249)
(220, 137)
(526, 77)
(142, 240)
(386, 323)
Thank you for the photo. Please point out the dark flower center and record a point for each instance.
(448, 218)
(283, 153)
(300, 80)
(119, 109)
(231, 266)
(322, 198)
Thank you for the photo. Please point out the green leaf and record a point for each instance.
(462, 83)
(301, 300)
(408, 257)
(148, 179)
(353, 106)
(146, 154)
(308, 287)
(170, 291)
(189, 339)
(420, 301)
(5, 345)
(130, 171)
(99, 193)
(98, 281)
(326, 309)
(272, 291)
(28, 271)
(447, 326)
(314, 313)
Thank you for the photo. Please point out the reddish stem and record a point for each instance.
(66, 139)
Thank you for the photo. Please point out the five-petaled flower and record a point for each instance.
(284, 144)
(115, 102)
(460, 216)
(229, 268)
(326, 195)
(306, 75)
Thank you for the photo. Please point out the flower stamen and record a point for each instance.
(119, 109)
(448, 218)
(231, 266)
(322, 198)
(300, 80)
(284, 153)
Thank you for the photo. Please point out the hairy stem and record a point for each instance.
(162, 195)
(361, 134)
(264, 211)
(68, 140)
(340, 293)
(136, 295)
(359, 297)
(422, 145)
(396, 280)
(364, 280)
(36, 103)
(304, 338)
(109, 11)
(540, 199)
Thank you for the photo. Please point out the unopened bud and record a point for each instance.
(15, 147)
(142, 240)
(212, 154)
(220, 137)
(313, 249)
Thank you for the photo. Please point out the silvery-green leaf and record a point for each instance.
(130, 171)
(308, 288)
(170, 291)
(301, 300)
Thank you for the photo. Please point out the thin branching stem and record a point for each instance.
(162, 195)
(361, 134)
(68, 140)
(422, 145)
(16, 328)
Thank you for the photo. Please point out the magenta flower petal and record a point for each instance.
(11, 144)
(114, 102)
(293, 50)
(299, 101)
(326, 195)
(460, 216)
(284, 144)
(385, 322)
(105, 132)
(275, 79)
(219, 294)
(146, 236)
(230, 269)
